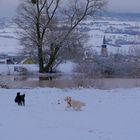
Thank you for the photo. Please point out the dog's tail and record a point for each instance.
(23, 96)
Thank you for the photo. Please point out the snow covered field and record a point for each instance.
(108, 115)
(120, 35)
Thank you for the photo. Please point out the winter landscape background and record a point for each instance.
(111, 113)
(121, 31)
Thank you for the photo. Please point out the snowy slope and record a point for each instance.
(118, 34)
(108, 115)
(9, 46)
(9, 43)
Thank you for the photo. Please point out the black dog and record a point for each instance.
(20, 99)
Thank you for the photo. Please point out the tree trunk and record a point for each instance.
(40, 60)
(39, 40)
(49, 66)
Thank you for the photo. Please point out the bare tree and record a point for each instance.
(42, 25)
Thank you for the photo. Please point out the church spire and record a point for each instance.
(104, 47)
(104, 42)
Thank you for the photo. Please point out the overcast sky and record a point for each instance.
(124, 5)
(8, 7)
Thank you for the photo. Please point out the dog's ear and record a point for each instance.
(69, 98)
(18, 93)
(66, 98)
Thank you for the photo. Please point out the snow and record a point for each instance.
(8, 69)
(108, 115)
(9, 43)
(99, 28)
(67, 67)
(9, 46)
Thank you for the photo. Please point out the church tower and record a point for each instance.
(104, 51)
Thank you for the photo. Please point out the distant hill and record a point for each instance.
(120, 16)
(122, 30)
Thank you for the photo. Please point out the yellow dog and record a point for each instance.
(75, 104)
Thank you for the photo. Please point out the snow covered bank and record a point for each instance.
(108, 115)
(6, 69)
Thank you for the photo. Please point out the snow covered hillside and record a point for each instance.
(108, 115)
(9, 43)
(120, 34)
